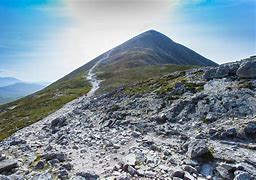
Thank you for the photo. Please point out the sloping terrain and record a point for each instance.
(30, 109)
(120, 67)
(193, 124)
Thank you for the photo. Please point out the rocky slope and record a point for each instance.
(195, 124)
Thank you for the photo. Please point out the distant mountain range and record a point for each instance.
(12, 89)
(6, 81)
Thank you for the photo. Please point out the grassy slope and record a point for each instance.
(113, 76)
(30, 109)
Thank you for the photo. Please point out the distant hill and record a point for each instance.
(6, 81)
(18, 90)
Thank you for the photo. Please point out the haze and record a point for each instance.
(43, 40)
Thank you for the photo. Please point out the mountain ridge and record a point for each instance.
(5, 81)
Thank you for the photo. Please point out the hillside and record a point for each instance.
(191, 124)
(159, 55)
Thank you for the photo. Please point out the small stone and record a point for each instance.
(131, 170)
(188, 176)
(189, 169)
(240, 175)
(40, 165)
(178, 173)
(7, 165)
(67, 166)
(197, 148)
(88, 175)
(231, 132)
(206, 170)
(224, 172)
(250, 129)
(136, 134)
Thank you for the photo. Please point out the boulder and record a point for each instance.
(197, 148)
(59, 156)
(250, 129)
(7, 165)
(58, 122)
(15, 142)
(88, 175)
(210, 73)
(231, 132)
(40, 165)
(225, 171)
(247, 70)
(160, 119)
(240, 175)
(178, 173)
(222, 71)
(206, 170)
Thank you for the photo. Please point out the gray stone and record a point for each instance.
(231, 132)
(59, 122)
(178, 173)
(197, 148)
(40, 165)
(240, 175)
(225, 171)
(17, 142)
(247, 70)
(188, 176)
(206, 170)
(63, 174)
(136, 134)
(50, 156)
(160, 119)
(67, 166)
(7, 165)
(250, 129)
(189, 169)
(210, 73)
(131, 170)
(88, 175)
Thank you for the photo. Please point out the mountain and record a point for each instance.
(148, 55)
(148, 48)
(18, 90)
(137, 58)
(154, 48)
(6, 81)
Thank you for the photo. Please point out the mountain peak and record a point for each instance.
(152, 34)
(154, 48)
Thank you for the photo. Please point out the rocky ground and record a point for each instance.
(181, 134)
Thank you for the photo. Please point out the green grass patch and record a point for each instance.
(113, 76)
(30, 109)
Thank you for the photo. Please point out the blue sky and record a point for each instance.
(42, 40)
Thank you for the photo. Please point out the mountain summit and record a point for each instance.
(154, 48)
